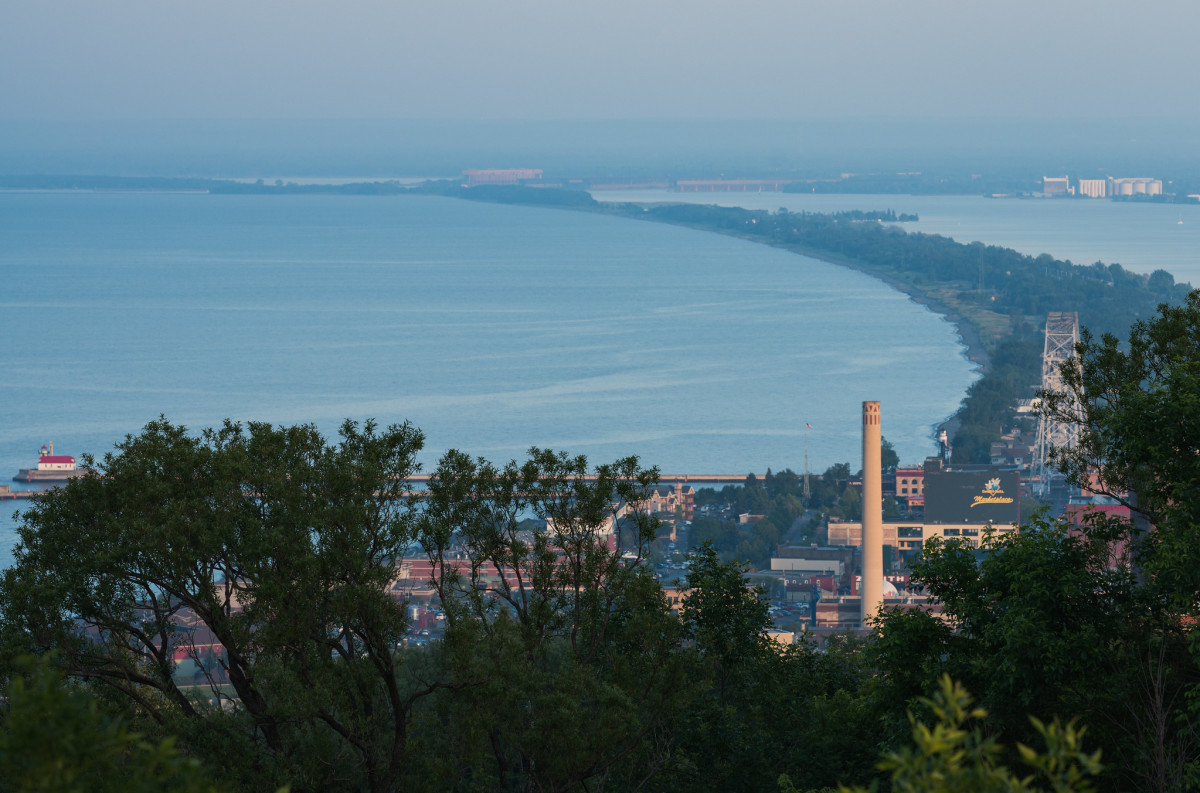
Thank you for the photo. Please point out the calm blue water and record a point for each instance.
(492, 328)
(1141, 237)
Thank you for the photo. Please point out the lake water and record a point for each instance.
(1140, 237)
(492, 328)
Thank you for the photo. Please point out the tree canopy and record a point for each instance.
(242, 597)
(270, 559)
(1136, 405)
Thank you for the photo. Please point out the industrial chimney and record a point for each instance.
(872, 506)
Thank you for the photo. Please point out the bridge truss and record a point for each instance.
(1062, 334)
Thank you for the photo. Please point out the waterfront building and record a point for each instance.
(672, 499)
(503, 176)
(963, 503)
(1136, 185)
(731, 185)
(910, 486)
(48, 461)
(1093, 188)
(1055, 185)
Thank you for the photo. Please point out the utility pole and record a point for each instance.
(807, 489)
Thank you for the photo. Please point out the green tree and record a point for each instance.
(560, 664)
(760, 707)
(1048, 648)
(1137, 408)
(54, 737)
(837, 472)
(888, 459)
(851, 503)
(706, 530)
(724, 617)
(568, 637)
(272, 542)
(1134, 405)
(1049, 624)
(954, 756)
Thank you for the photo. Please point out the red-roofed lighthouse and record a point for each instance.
(50, 467)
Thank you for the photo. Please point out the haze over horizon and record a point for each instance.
(538, 60)
(374, 88)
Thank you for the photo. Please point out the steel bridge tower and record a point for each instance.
(1062, 334)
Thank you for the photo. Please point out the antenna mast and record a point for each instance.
(807, 489)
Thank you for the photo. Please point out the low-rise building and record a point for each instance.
(963, 502)
(910, 486)
(508, 176)
(676, 498)
(810, 566)
(1056, 185)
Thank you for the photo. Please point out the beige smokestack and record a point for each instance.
(872, 506)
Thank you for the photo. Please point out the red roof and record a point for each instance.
(61, 458)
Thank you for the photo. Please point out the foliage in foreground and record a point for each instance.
(1137, 406)
(57, 738)
(954, 756)
(283, 552)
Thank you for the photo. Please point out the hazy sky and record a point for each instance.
(569, 59)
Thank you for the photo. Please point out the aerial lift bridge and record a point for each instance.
(1062, 334)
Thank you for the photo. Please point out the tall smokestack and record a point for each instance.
(872, 506)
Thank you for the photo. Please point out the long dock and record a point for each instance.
(8, 494)
(663, 479)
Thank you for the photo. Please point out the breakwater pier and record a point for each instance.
(663, 479)
(8, 494)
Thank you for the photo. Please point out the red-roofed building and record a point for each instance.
(48, 461)
(56, 463)
(50, 468)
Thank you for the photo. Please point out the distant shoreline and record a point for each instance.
(999, 328)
